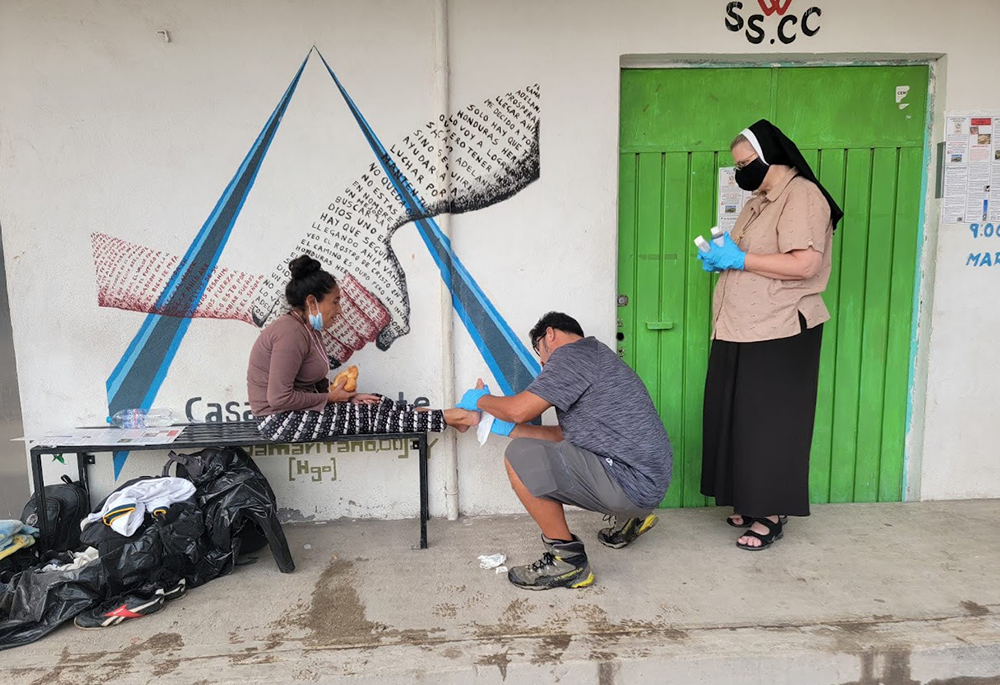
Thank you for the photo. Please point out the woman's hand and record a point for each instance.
(362, 398)
(338, 394)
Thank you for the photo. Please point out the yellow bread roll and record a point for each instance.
(351, 378)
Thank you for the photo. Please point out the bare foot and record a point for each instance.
(757, 527)
(461, 419)
(738, 520)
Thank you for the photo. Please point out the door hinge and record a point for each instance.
(623, 300)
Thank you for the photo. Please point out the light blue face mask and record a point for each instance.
(316, 320)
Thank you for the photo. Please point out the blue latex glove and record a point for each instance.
(729, 256)
(471, 397)
(705, 266)
(502, 427)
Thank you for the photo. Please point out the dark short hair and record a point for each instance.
(308, 278)
(558, 321)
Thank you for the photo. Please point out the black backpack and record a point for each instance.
(67, 505)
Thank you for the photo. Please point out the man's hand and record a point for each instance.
(471, 397)
(501, 427)
(520, 408)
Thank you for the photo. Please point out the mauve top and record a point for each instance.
(287, 369)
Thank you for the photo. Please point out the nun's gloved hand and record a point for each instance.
(705, 265)
(729, 256)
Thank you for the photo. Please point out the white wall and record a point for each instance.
(581, 49)
(960, 456)
(105, 127)
(108, 128)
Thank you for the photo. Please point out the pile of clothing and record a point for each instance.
(15, 536)
(16, 554)
(145, 545)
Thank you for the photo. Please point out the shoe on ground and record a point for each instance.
(617, 536)
(117, 610)
(564, 564)
(175, 592)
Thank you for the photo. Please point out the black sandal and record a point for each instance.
(773, 533)
(748, 520)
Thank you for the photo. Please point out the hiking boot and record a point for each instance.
(122, 608)
(617, 536)
(564, 564)
(176, 592)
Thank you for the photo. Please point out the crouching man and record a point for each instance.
(610, 452)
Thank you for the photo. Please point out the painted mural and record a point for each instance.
(481, 155)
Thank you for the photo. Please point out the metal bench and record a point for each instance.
(197, 436)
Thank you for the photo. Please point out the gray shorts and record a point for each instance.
(562, 472)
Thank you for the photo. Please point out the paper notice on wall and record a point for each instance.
(731, 198)
(971, 170)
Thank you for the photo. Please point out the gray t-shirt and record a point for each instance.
(604, 407)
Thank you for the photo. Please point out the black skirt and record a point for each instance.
(760, 407)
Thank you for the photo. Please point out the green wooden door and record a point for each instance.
(676, 126)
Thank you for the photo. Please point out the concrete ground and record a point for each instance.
(890, 594)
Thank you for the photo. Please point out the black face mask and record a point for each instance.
(752, 175)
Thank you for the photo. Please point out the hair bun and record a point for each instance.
(302, 266)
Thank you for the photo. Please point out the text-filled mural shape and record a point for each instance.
(481, 155)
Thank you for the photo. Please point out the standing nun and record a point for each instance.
(768, 315)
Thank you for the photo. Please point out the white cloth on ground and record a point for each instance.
(80, 559)
(125, 510)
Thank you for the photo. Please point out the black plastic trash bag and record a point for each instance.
(166, 548)
(34, 604)
(232, 512)
(240, 510)
(22, 560)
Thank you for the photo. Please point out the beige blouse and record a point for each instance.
(748, 307)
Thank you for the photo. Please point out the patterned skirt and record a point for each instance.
(345, 418)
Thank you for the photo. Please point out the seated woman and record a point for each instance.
(290, 395)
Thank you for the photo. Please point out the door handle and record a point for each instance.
(659, 325)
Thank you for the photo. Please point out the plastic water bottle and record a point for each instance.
(142, 418)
